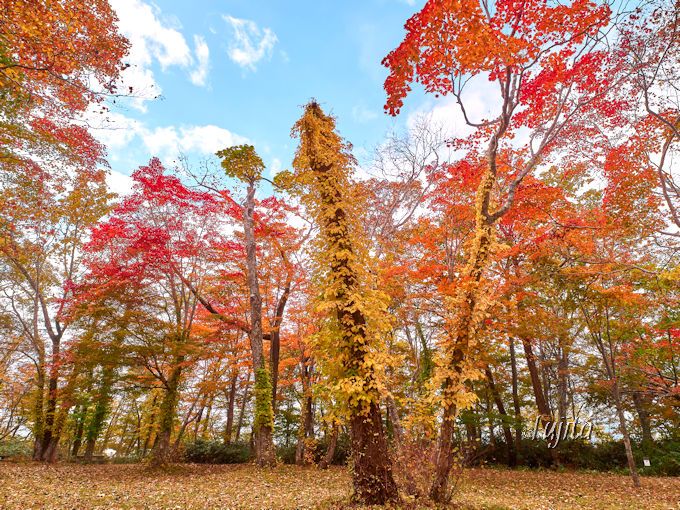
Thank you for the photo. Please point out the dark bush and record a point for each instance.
(664, 456)
(203, 451)
(286, 453)
(15, 449)
(342, 450)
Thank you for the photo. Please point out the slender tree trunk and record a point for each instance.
(330, 451)
(507, 433)
(275, 336)
(39, 424)
(393, 413)
(465, 322)
(98, 415)
(66, 402)
(228, 430)
(51, 407)
(306, 425)
(536, 385)
(242, 410)
(515, 397)
(624, 432)
(563, 379)
(81, 416)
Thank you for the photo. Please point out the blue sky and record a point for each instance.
(235, 70)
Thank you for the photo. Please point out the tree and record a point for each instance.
(546, 61)
(154, 242)
(356, 312)
(243, 163)
(57, 57)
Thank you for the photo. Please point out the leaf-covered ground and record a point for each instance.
(66, 486)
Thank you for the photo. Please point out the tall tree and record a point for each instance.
(356, 311)
(544, 59)
(243, 163)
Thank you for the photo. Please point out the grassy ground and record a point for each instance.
(67, 486)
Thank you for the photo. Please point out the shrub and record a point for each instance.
(15, 449)
(203, 451)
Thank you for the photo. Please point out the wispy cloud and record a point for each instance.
(154, 38)
(200, 74)
(250, 43)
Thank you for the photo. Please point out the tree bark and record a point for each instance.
(624, 432)
(330, 451)
(515, 397)
(536, 385)
(98, 415)
(507, 433)
(228, 430)
(264, 412)
(645, 422)
(161, 449)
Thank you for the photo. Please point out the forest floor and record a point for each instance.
(79, 487)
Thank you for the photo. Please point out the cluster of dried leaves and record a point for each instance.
(193, 487)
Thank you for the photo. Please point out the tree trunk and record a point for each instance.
(228, 430)
(161, 448)
(393, 413)
(507, 434)
(275, 337)
(81, 416)
(563, 378)
(536, 385)
(373, 482)
(322, 153)
(439, 490)
(330, 451)
(98, 415)
(264, 412)
(515, 397)
(643, 414)
(624, 432)
(39, 424)
(47, 442)
(242, 410)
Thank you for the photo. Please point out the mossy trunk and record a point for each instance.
(98, 416)
(321, 153)
(161, 452)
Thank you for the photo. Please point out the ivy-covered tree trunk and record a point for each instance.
(98, 416)
(80, 417)
(466, 318)
(264, 412)
(243, 163)
(322, 164)
(166, 417)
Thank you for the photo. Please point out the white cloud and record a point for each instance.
(169, 141)
(482, 102)
(118, 182)
(275, 167)
(200, 74)
(155, 39)
(250, 44)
